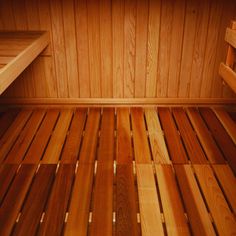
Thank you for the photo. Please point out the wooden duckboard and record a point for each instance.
(110, 171)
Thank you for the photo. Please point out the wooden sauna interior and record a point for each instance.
(117, 117)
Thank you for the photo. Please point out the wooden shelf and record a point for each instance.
(227, 70)
(17, 51)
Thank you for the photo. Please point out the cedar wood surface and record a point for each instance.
(123, 171)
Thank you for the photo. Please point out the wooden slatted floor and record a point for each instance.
(122, 172)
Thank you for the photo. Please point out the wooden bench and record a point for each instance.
(227, 70)
(17, 51)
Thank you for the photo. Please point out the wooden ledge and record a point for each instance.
(228, 75)
(17, 50)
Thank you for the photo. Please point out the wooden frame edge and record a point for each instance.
(115, 101)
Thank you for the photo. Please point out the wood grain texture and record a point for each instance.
(176, 47)
(227, 122)
(90, 139)
(224, 141)
(103, 199)
(222, 216)
(106, 47)
(212, 151)
(190, 140)
(194, 203)
(122, 48)
(118, 11)
(77, 222)
(94, 48)
(5, 121)
(173, 139)
(151, 222)
(129, 47)
(156, 137)
(37, 147)
(7, 173)
(141, 147)
(141, 48)
(23, 56)
(58, 201)
(82, 47)
(124, 146)
(175, 220)
(106, 141)
(12, 133)
(10, 208)
(24, 140)
(58, 137)
(227, 181)
(126, 207)
(36, 199)
(72, 144)
(154, 21)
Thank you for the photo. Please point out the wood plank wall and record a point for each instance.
(123, 48)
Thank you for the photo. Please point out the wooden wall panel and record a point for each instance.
(123, 49)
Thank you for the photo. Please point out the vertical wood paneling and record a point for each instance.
(59, 47)
(153, 47)
(48, 63)
(199, 48)
(141, 48)
(164, 51)
(176, 47)
(94, 48)
(211, 47)
(118, 47)
(82, 47)
(129, 47)
(106, 48)
(70, 47)
(188, 47)
(123, 49)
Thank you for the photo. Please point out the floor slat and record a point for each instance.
(102, 221)
(7, 173)
(195, 152)
(21, 145)
(71, 149)
(227, 122)
(222, 138)
(40, 141)
(78, 218)
(89, 145)
(12, 133)
(56, 208)
(126, 210)
(156, 136)
(228, 182)
(151, 221)
(14, 199)
(58, 137)
(173, 139)
(34, 205)
(197, 212)
(141, 146)
(175, 220)
(212, 151)
(6, 120)
(124, 148)
(222, 216)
